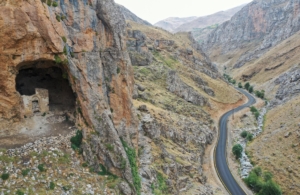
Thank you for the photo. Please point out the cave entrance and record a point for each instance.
(44, 87)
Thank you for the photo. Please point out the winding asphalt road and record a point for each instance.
(220, 152)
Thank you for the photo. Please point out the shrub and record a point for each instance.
(240, 85)
(233, 81)
(161, 187)
(256, 114)
(49, 2)
(41, 168)
(25, 172)
(250, 137)
(254, 182)
(257, 171)
(260, 94)
(118, 70)
(57, 59)
(109, 147)
(65, 62)
(104, 171)
(64, 39)
(270, 188)
(253, 109)
(67, 188)
(5, 176)
(123, 163)
(250, 89)
(76, 140)
(54, 4)
(131, 154)
(237, 151)
(58, 18)
(84, 165)
(262, 186)
(52, 185)
(19, 192)
(244, 134)
(65, 50)
(267, 176)
(247, 85)
(72, 54)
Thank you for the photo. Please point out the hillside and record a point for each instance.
(260, 45)
(179, 95)
(206, 21)
(170, 24)
(251, 32)
(277, 72)
(131, 16)
(92, 105)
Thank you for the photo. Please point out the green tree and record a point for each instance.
(237, 151)
(253, 109)
(247, 85)
(250, 89)
(240, 85)
(256, 114)
(244, 134)
(254, 182)
(257, 171)
(270, 188)
(250, 137)
(267, 176)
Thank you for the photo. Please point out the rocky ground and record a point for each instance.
(243, 121)
(177, 89)
(32, 128)
(63, 170)
(277, 148)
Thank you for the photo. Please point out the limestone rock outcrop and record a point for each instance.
(138, 49)
(87, 40)
(260, 25)
(177, 86)
(288, 86)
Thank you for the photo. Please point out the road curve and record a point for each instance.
(220, 151)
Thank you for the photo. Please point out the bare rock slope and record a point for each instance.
(87, 41)
(252, 31)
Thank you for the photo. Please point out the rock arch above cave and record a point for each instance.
(44, 87)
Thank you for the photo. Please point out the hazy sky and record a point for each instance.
(156, 10)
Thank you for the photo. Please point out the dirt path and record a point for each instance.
(34, 128)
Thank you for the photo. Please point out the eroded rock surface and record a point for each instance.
(177, 86)
(262, 23)
(288, 86)
(86, 40)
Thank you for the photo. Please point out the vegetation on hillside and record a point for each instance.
(262, 183)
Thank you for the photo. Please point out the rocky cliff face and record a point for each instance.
(86, 40)
(257, 27)
(177, 87)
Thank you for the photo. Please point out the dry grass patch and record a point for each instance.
(278, 153)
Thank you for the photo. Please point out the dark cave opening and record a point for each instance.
(52, 78)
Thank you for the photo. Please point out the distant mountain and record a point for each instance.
(132, 17)
(205, 21)
(252, 31)
(170, 24)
